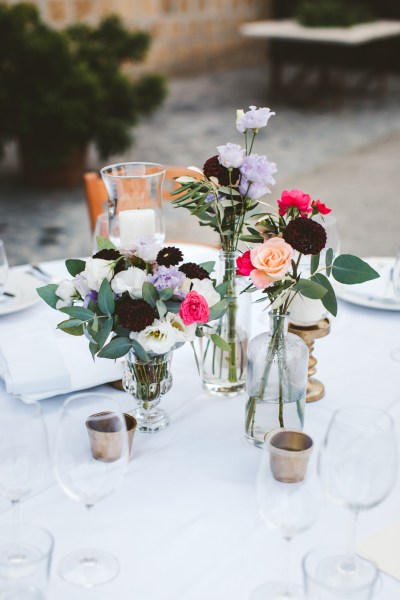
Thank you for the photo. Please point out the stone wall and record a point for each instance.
(189, 36)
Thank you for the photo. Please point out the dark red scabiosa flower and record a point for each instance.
(134, 315)
(169, 256)
(194, 271)
(111, 254)
(305, 235)
(213, 168)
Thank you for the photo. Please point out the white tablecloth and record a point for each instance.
(184, 524)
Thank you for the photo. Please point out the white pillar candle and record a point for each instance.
(135, 225)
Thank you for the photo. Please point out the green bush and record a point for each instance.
(61, 90)
(332, 13)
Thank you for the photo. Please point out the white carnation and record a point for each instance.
(205, 288)
(130, 281)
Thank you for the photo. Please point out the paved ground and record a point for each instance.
(349, 158)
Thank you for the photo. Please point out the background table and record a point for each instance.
(184, 524)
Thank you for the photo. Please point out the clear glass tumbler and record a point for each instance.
(3, 270)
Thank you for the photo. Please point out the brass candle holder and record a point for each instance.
(315, 388)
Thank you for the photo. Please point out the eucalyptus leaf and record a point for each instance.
(140, 351)
(94, 348)
(329, 261)
(116, 348)
(208, 266)
(222, 288)
(310, 289)
(48, 294)
(329, 300)
(105, 299)
(166, 293)
(221, 343)
(75, 266)
(71, 326)
(105, 329)
(349, 269)
(161, 308)
(218, 310)
(104, 243)
(314, 262)
(150, 294)
(78, 312)
(172, 306)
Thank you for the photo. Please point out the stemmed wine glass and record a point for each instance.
(357, 468)
(91, 457)
(395, 280)
(23, 461)
(288, 509)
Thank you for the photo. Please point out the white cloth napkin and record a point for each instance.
(44, 362)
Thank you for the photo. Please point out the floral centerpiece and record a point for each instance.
(222, 196)
(141, 303)
(276, 267)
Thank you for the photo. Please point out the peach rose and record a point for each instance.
(271, 262)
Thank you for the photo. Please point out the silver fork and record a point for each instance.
(39, 273)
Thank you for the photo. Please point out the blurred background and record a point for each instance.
(93, 82)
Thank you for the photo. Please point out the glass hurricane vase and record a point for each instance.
(276, 382)
(147, 382)
(224, 371)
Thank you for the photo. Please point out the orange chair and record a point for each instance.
(96, 193)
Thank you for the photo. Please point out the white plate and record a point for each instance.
(23, 286)
(372, 294)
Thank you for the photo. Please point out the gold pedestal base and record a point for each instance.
(315, 389)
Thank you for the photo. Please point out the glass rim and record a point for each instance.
(383, 413)
(341, 551)
(162, 169)
(101, 396)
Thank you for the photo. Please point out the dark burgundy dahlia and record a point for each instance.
(169, 256)
(134, 315)
(305, 235)
(194, 271)
(213, 168)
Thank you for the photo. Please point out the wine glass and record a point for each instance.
(23, 462)
(90, 457)
(357, 468)
(3, 270)
(288, 509)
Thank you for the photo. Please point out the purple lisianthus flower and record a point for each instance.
(210, 198)
(92, 295)
(256, 176)
(231, 155)
(166, 277)
(255, 118)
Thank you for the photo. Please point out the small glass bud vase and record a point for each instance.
(147, 382)
(135, 211)
(224, 371)
(276, 381)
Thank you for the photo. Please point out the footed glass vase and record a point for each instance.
(147, 382)
(224, 371)
(276, 381)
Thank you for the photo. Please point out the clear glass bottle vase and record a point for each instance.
(223, 371)
(147, 382)
(276, 381)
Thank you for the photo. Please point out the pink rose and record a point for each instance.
(295, 199)
(271, 262)
(320, 207)
(194, 309)
(244, 264)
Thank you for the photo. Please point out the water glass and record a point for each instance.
(320, 585)
(3, 270)
(24, 573)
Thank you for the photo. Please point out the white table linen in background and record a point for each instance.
(184, 524)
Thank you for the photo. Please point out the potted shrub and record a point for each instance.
(61, 90)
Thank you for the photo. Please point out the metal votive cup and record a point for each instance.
(104, 430)
(289, 452)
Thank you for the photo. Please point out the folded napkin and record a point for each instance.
(45, 362)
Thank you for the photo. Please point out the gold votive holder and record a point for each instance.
(289, 452)
(104, 430)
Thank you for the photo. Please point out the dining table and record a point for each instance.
(184, 524)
